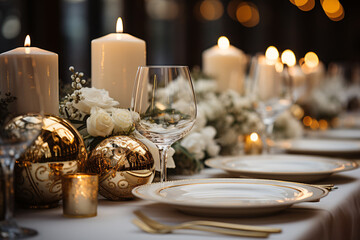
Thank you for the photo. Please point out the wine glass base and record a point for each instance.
(10, 230)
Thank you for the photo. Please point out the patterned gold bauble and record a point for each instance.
(122, 163)
(58, 150)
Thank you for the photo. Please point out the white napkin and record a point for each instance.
(155, 151)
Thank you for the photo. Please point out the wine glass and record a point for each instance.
(271, 89)
(163, 106)
(20, 124)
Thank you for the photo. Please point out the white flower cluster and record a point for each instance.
(287, 127)
(228, 112)
(328, 99)
(104, 119)
(200, 142)
(221, 118)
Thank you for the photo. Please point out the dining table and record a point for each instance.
(336, 216)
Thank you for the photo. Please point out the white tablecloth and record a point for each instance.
(337, 216)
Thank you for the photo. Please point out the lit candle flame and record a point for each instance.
(288, 58)
(272, 53)
(223, 42)
(311, 59)
(254, 137)
(119, 25)
(27, 41)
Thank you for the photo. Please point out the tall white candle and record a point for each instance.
(115, 59)
(314, 71)
(226, 64)
(24, 64)
(268, 74)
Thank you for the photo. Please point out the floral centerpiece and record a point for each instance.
(223, 119)
(94, 112)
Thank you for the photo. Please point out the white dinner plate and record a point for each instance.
(351, 134)
(229, 196)
(302, 168)
(322, 147)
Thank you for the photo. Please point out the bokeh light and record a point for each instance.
(305, 5)
(333, 9)
(211, 9)
(311, 59)
(307, 120)
(232, 7)
(272, 53)
(247, 14)
(288, 58)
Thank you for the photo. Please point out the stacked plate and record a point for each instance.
(329, 147)
(301, 168)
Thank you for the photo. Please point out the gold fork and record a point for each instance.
(157, 225)
(147, 228)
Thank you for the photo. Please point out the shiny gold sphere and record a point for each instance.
(122, 163)
(59, 149)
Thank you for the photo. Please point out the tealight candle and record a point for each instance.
(226, 64)
(253, 144)
(80, 193)
(27, 65)
(115, 59)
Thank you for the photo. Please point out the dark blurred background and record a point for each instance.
(178, 31)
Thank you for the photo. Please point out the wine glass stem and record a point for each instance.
(267, 137)
(163, 158)
(7, 166)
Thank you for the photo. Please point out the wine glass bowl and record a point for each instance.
(163, 106)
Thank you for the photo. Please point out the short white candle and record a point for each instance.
(227, 64)
(24, 64)
(115, 59)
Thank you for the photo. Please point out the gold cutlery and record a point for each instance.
(328, 187)
(224, 228)
(146, 228)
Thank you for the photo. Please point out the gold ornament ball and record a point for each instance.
(122, 163)
(58, 150)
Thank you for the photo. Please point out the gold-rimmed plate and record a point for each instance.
(288, 167)
(229, 196)
(322, 147)
(341, 133)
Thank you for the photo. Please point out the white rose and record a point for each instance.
(99, 123)
(122, 120)
(93, 97)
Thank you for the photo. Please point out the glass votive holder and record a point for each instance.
(80, 191)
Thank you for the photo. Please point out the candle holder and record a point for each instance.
(80, 193)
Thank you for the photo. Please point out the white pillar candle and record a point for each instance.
(268, 74)
(115, 59)
(23, 64)
(227, 64)
(314, 70)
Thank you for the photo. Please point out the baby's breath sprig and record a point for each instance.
(77, 83)
(77, 79)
